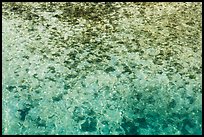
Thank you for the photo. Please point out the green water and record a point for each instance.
(101, 68)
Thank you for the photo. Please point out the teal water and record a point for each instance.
(101, 69)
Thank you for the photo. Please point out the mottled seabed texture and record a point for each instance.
(102, 68)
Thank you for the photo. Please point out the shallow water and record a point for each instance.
(101, 68)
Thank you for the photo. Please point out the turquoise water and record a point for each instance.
(101, 68)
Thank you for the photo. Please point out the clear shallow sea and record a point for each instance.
(101, 68)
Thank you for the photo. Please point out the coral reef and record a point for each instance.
(101, 68)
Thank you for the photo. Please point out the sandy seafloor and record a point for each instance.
(102, 68)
